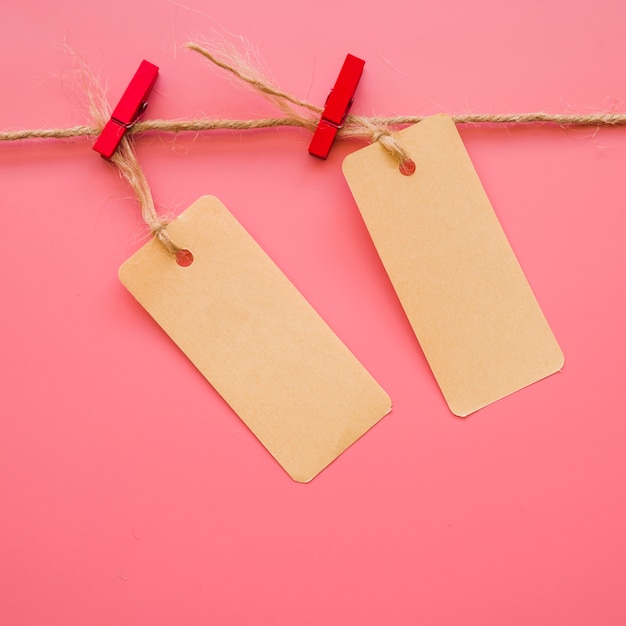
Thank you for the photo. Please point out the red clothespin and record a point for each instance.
(337, 106)
(129, 108)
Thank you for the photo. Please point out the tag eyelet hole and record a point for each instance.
(184, 258)
(407, 168)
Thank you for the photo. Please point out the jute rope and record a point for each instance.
(297, 113)
(352, 125)
(124, 158)
(129, 168)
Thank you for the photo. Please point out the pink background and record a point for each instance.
(131, 494)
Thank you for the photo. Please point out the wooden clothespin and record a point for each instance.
(337, 106)
(129, 108)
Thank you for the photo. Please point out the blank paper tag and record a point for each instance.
(454, 271)
(256, 340)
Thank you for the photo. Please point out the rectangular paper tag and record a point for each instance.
(464, 293)
(256, 340)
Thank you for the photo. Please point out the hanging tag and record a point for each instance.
(256, 340)
(454, 271)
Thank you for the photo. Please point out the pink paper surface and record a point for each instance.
(119, 505)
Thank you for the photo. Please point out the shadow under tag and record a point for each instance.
(453, 269)
(256, 340)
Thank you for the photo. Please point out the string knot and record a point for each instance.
(163, 237)
(380, 132)
(158, 230)
(158, 225)
(388, 141)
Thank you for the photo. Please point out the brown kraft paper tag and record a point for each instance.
(256, 340)
(453, 269)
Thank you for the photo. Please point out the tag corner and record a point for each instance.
(461, 411)
(125, 269)
(304, 478)
(561, 359)
(208, 198)
(121, 273)
(388, 404)
(347, 161)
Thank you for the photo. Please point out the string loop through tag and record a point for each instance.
(128, 166)
(386, 139)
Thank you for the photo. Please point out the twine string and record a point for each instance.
(124, 158)
(235, 64)
(380, 133)
(128, 166)
(351, 128)
(296, 113)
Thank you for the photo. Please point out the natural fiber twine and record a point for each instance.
(296, 113)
